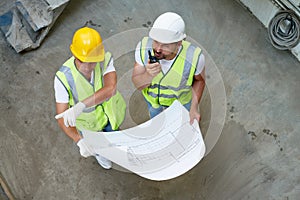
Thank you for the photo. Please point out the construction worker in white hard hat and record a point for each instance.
(168, 68)
(86, 94)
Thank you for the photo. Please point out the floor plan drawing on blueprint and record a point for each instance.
(162, 148)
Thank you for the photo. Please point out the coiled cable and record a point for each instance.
(284, 30)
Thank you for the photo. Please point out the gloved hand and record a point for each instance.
(85, 149)
(71, 114)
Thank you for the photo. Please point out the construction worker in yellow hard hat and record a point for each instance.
(85, 92)
(168, 68)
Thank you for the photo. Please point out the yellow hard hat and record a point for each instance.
(87, 45)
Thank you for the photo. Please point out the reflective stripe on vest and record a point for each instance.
(176, 83)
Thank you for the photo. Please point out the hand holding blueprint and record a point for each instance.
(162, 148)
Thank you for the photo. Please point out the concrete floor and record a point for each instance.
(256, 157)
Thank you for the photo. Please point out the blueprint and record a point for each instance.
(162, 148)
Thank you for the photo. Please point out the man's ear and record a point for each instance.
(179, 43)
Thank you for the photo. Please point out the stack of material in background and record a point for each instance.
(28, 22)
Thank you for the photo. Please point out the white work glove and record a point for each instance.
(71, 114)
(85, 149)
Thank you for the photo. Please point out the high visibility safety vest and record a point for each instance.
(94, 118)
(177, 82)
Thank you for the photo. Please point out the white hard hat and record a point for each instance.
(168, 28)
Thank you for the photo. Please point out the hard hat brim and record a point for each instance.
(90, 57)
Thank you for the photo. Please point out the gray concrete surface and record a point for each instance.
(256, 157)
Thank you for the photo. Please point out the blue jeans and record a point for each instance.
(155, 111)
(108, 128)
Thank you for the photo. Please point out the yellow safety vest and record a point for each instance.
(176, 83)
(94, 118)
